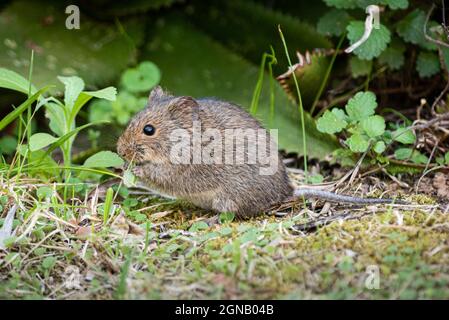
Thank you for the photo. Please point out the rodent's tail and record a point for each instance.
(327, 195)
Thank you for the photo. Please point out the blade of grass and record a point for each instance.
(29, 127)
(258, 89)
(107, 205)
(10, 117)
(326, 76)
(300, 106)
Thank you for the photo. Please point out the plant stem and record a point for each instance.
(300, 106)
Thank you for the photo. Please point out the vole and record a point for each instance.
(182, 147)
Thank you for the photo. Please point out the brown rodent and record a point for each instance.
(229, 185)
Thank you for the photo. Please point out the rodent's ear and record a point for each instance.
(156, 93)
(182, 106)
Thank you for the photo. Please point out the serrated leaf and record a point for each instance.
(360, 106)
(374, 45)
(333, 23)
(357, 143)
(104, 159)
(411, 29)
(360, 67)
(373, 126)
(427, 64)
(41, 140)
(393, 56)
(404, 135)
(379, 147)
(332, 121)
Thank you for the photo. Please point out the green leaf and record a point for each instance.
(41, 140)
(333, 23)
(54, 111)
(411, 29)
(373, 126)
(48, 263)
(332, 121)
(427, 64)
(360, 106)
(225, 217)
(357, 143)
(142, 78)
(342, 4)
(44, 192)
(73, 87)
(446, 158)
(8, 145)
(374, 45)
(197, 226)
(393, 56)
(419, 158)
(403, 153)
(404, 135)
(129, 179)
(108, 93)
(379, 147)
(10, 117)
(360, 67)
(14, 81)
(414, 155)
(315, 178)
(104, 159)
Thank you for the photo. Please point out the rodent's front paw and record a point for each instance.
(138, 171)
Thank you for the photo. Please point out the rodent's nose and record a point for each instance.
(122, 148)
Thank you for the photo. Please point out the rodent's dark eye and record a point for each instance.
(149, 130)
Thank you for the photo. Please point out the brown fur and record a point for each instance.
(237, 188)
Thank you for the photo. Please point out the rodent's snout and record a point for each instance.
(124, 148)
